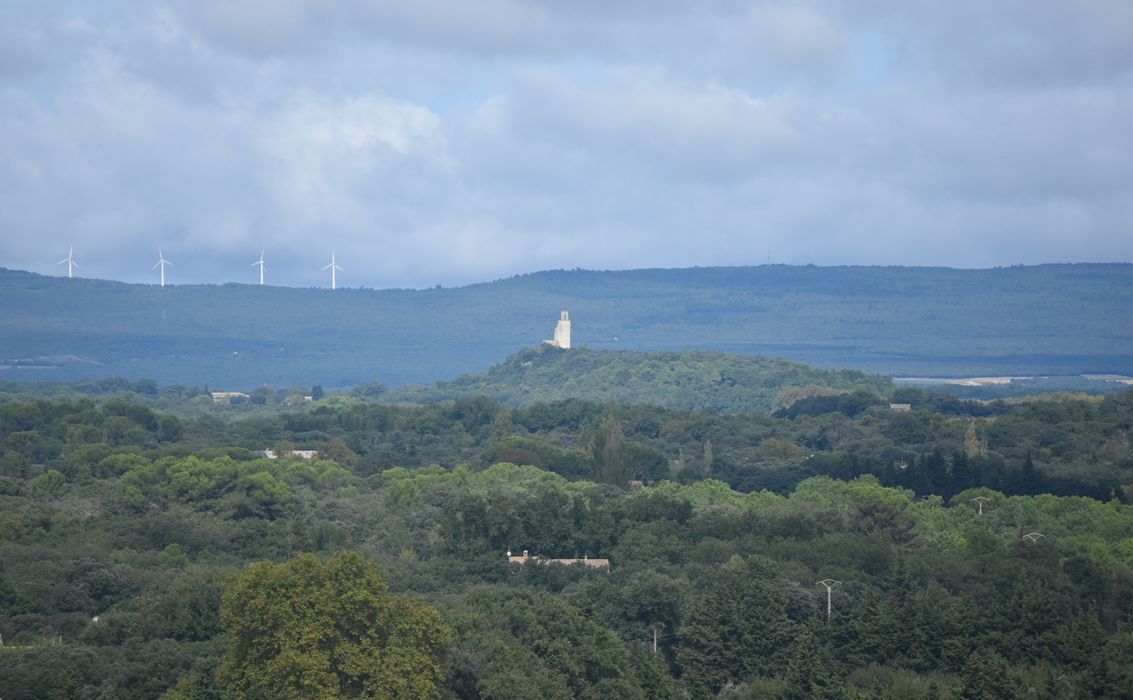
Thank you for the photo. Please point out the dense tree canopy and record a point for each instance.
(143, 552)
(307, 629)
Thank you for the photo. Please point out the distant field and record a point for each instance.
(935, 322)
(1007, 387)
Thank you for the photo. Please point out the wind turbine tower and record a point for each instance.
(70, 260)
(333, 267)
(162, 262)
(260, 262)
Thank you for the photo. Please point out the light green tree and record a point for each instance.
(305, 629)
(50, 483)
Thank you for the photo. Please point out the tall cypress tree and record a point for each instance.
(736, 629)
(985, 676)
(811, 674)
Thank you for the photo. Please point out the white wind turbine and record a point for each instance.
(70, 260)
(332, 267)
(260, 262)
(162, 262)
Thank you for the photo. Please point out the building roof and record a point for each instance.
(585, 561)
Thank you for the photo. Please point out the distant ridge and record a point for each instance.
(690, 379)
(1047, 319)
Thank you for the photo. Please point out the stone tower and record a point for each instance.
(562, 333)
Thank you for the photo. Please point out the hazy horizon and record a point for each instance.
(341, 285)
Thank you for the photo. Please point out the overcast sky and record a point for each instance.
(437, 142)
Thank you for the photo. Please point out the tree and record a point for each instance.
(15, 465)
(50, 483)
(1110, 675)
(973, 446)
(519, 643)
(338, 451)
(737, 628)
(985, 676)
(308, 629)
(50, 672)
(370, 391)
(609, 452)
(501, 427)
(262, 396)
(810, 673)
(653, 677)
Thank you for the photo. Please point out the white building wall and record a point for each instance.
(562, 331)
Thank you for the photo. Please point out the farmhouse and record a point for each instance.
(585, 561)
(301, 454)
(229, 396)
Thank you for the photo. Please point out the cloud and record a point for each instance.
(1022, 42)
(758, 38)
(1019, 147)
(261, 28)
(440, 142)
(326, 152)
(700, 131)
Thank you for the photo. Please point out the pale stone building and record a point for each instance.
(562, 333)
(229, 396)
(585, 561)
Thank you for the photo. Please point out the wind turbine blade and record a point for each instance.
(155, 265)
(328, 266)
(74, 263)
(62, 261)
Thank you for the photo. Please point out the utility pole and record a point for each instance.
(979, 501)
(829, 583)
(655, 641)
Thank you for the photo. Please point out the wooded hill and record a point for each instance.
(1048, 319)
(692, 379)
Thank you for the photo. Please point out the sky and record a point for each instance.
(437, 142)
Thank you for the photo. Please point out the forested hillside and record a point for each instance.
(972, 549)
(700, 380)
(1049, 319)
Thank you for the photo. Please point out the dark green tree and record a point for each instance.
(736, 628)
(811, 674)
(1110, 675)
(609, 450)
(524, 644)
(986, 677)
